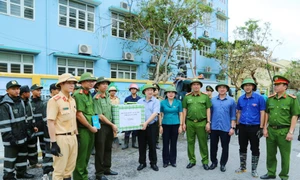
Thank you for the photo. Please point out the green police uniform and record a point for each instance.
(196, 105)
(280, 112)
(84, 104)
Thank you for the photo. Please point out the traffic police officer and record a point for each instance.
(104, 137)
(196, 115)
(85, 111)
(281, 119)
(62, 126)
(39, 116)
(13, 131)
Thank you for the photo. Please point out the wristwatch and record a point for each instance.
(233, 128)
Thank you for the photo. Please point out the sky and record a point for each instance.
(283, 16)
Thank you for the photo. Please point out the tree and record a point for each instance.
(162, 24)
(293, 74)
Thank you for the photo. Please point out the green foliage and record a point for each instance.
(293, 74)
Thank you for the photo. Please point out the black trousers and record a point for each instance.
(170, 136)
(103, 147)
(247, 133)
(127, 133)
(215, 136)
(145, 137)
(14, 157)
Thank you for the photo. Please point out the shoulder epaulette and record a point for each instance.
(56, 97)
(81, 91)
(187, 94)
(292, 96)
(272, 95)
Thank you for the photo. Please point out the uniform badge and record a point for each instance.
(16, 111)
(65, 108)
(276, 79)
(14, 82)
(254, 105)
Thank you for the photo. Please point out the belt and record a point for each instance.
(198, 120)
(66, 134)
(249, 124)
(278, 127)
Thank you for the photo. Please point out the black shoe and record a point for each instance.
(111, 173)
(165, 165)
(213, 166)
(101, 178)
(267, 176)
(141, 166)
(25, 176)
(190, 165)
(154, 167)
(173, 165)
(223, 168)
(205, 166)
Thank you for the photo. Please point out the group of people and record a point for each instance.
(63, 125)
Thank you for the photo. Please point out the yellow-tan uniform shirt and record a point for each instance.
(115, 100)
(62, 110)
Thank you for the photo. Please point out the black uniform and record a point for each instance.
(14, 136)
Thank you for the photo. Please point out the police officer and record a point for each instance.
(281, 119)
(85, 111)
(133, 98)
(48, 160)
(104, 137)
(39, 116)
(250, 117)
(31, 142)
(196, 115)
(13, 132)
(62, 126)
(209, 91)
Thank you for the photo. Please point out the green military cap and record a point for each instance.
(87, 77)
(12, 83)
(171, 89)
(249, 81)
(100, 80)
(156, 86)
(222, 84)
(35, 87)
(280, 79)
(209, 88)
(148, 86)
(196, 81)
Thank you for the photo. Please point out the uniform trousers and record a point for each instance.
(248, 133)
(170, 136)
(32, 151)
(127, 133)
(277, 139)
(103, 146)
(14, 156)
(64, 165)
(148, 137)
(215, 136)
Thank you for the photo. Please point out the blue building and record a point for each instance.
(41, 39)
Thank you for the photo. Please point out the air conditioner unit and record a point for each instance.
(205, 34)
(207, 69)
(210, 4)
(154, 60)
(219, 9)
(124, 5)
(128, 56)
(84, 49)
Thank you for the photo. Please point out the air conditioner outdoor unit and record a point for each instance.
(219, 9)
(153, 60)
(84, 49)
(207, 69)
(128, 56)
(124, 5)
(205, 34)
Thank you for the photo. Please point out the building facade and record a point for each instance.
(40, 40)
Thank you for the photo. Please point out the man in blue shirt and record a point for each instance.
(223, 117)
(148, 133)
(250, 117)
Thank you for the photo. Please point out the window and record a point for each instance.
(221, 25)
(206, 18)
(76, 15)
(205, 50)
(118, 26)
(16, 63)
(19, 8)
(184, 53)
(74, 66)
(123, 71)
(154, 39)
(151, 71)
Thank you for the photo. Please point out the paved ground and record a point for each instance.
(126, 161)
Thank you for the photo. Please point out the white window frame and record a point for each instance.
(22, 63)
(119, 19)
(221, 25)
(206, 18)
(183, 53)
(154, 40)
(22, 9)
(205, 50)
(67, 66)
(77, 19)
(117, 71)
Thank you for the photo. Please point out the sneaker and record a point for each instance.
(240, 170)
(45, 177)
(37, 165)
